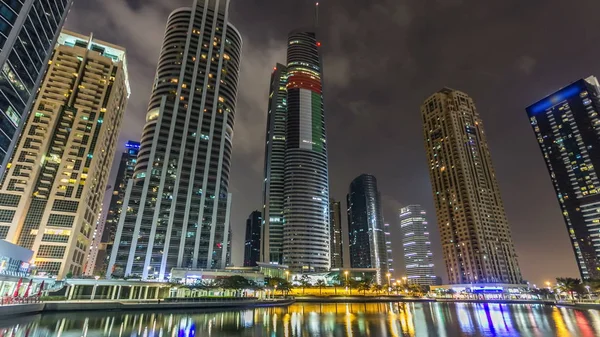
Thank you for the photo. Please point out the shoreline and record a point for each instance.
(8, 311)
(54, 307)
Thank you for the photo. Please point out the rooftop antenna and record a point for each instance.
(317, 15)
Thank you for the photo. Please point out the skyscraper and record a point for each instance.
(176, 207)
(388, 248)
(418, 258)
(476, 237)
(252, 243)
(28, 33)
(107, 232)
(365, 226)
(335, 228)
(53, 189)
(567, 127)
(272, 230)
(306, 181)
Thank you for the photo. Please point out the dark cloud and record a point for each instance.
(382, 59)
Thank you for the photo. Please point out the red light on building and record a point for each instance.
(318, 44)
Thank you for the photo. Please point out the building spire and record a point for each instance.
(317, 15)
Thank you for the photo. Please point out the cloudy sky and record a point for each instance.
(382, 59)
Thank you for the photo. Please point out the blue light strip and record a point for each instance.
(557, 97)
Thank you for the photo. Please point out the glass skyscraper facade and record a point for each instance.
(252, 240)
(476, 237)
(416, 245)
(28, 32)
(366, 228)
(53, 189)
(176, 208)
(567, 127)
(273, 186)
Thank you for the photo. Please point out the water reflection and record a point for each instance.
(322, 320)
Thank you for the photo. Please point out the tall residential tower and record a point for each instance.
(28, 33)
(476, 237)
(52, 193)
(272, 230)
(368, 247)
(567, 127)
(416, 243)
(176, 208)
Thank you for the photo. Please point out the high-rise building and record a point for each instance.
(252, 243)
(306, 236)
(416, 245)
(108, 227)
(366, 227)
(567, 127)
(476, 237)
(388, 248)
(272, 230)
(335, 228)
(176, 207)
(52, 192)
(28, 33)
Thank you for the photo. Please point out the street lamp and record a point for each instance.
(287, 275)
(405, 279)
(389, 285)
(347, 285)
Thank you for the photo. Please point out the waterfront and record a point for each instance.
(323, 320)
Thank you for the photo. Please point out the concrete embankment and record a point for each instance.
(27, 309)
(358, 299)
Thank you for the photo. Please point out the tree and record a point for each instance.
(569, 285)
(321, 284)
(69, 275)
(304, 282)
(364, 286)
(377, 288)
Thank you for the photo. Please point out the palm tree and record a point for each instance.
(364, 286)
(304, 282)
(569, 285)
(321, 284)
(377, 288)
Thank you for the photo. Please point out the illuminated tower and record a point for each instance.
(306, 236)
(567, 127)
(366, 228)
(416, 244)
(54, 186)
(272, 230)
(176, 208)
(28, 32)
(476, 237)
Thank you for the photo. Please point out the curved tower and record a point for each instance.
(306, 236)
(366, 228)
(176, 209)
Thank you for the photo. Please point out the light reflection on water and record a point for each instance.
(320, 320)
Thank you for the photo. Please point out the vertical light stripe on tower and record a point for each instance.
(306, 119)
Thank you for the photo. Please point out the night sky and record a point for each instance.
(382, 58)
